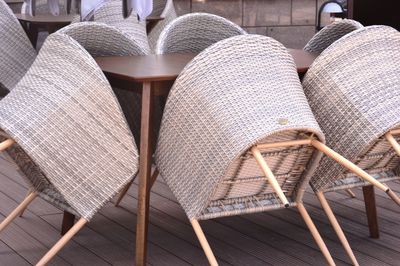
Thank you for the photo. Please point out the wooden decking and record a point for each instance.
(275, 238)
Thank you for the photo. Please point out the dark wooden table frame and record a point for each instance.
(32, 24)
(156, 74)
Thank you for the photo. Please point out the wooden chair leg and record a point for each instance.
(18, 210)
(317, 237)
(27, 194)
(268, 173)
(204, 243)
(67, 223)
(123, 192)
(355, 169)
(351, 193)
(6, 144)
(370, 208)
(62, 242)
(336, 227)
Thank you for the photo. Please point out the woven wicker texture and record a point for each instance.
(238, 92)
(67, 120)
(354, 89)
(330, 34)
(165, 9)
(194, 32)
(16, 51)
(100, 39)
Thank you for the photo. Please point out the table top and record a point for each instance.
(167, 67)
(46, 18)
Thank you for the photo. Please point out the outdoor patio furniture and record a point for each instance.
(237, 137)
(67, 133)
(149, 71)
(354, 90)
(331, 33)
(166, 10)
(192, 33)
(16, 51)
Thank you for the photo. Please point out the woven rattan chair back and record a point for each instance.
(166, 10)
(72, 115)
(73, 143)
(354, 88)
(100, 39)
(16, 51)
(330, 34)
(217, 110)
(194, 32)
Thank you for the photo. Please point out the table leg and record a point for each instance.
(145, 160)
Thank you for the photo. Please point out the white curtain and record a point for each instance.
(88, 7)
(143, 8)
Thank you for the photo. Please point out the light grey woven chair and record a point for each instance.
(16, 51)
(100, 39)
(237, 134)
(166, 10)
(67, 133)
(354, 89)
(330, 34)
(192, 33)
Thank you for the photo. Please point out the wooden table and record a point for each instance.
(151, 22)
(150, 70)
(31, 24)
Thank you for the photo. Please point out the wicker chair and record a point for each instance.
(102, 40)
(330, 34)
(67, 133)
(223, 151)
(354, 89)
(16, 51)
(194, 32)
(166, 10)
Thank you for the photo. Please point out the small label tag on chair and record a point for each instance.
(283, 121)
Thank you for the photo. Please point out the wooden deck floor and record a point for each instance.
(275, 238)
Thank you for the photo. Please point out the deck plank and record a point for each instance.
(273, 238)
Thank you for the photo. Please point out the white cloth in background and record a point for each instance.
(54, 7)
(143, 8)
(88, 7)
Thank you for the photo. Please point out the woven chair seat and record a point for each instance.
(354, 88)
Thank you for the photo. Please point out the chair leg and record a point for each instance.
(18, 210)
(126, 188)
(6, 144)
(62, 242)
(268, 173)
(317, 237)
(336, 227)
(355, 169)
(370, 208)
(27, 194)
(122, 193)
(67, 222)
(351, 193)
(204, 243)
